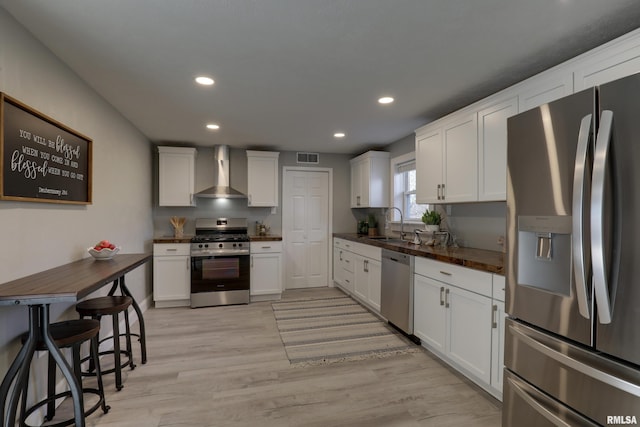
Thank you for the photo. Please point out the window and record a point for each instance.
(404, 188)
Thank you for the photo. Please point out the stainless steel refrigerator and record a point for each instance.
(572, 352)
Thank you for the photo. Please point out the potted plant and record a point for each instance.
(431, 221)
(373, 225)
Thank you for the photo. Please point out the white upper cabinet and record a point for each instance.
(370, 180)
(176, 176)
(262, 178)
(545, 88)
(429, 166)
(447, 161)
(461, 160)
(492, 149)
(609, 64)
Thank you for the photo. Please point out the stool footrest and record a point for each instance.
(65, 394)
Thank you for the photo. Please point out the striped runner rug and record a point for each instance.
(334, 329)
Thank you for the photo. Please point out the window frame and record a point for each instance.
(398, 193)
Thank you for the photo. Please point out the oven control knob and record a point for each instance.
(234, 245)
(220, 245)
(206, 245)
(239, 245)
(200, 246)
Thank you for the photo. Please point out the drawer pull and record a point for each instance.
(494, 320)
(171, 250)
(445, 273)
(266, 247)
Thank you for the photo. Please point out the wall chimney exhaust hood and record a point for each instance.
(221, 189)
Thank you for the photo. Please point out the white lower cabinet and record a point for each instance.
(368, 283)
(469, 331)
(343, 263)
(338, 271)
(357, 269)
(171, 275)
(454, 316)
(429, 315)
(266, 270)
(497, 334)
(497, 346)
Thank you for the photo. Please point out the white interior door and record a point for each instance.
(305, 218)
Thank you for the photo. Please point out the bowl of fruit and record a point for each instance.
(103, 250)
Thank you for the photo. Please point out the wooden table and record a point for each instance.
(68, 283)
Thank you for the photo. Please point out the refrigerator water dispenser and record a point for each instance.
(544, 253)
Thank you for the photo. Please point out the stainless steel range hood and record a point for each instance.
(221, 189)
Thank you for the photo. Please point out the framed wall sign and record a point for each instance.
(41, 160)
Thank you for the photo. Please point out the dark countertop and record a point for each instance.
(478, 259)
(171, 239)
(267, 238)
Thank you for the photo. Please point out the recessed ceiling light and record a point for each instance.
(205, 81)
(213, 126)
(386, 100)
(339, 135)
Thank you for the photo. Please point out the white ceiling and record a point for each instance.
(290, 73)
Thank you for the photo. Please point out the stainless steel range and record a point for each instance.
(220, 271)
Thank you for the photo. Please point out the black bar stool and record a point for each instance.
(120, 284)
(70, 333)
(111, 305)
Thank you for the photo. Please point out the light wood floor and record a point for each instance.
(226, 366)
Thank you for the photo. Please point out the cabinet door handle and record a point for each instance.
(357, 200)
(366, 266)
(494, 320)
(249, 198)
(439, 188)
(444, 193)
(446, 298)
(446, 273)
(442, 295)
(340, 255)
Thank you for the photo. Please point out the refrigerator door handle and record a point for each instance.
(579, 249)
(537, 406)
(575, 364)
(601, 155)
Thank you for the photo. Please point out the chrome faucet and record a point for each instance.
(402, 233)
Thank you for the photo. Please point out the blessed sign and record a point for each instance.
(41, 160)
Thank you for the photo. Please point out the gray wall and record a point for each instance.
(39, 236)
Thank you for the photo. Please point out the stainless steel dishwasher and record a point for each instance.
(396, 304)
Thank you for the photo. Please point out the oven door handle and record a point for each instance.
(226, 253)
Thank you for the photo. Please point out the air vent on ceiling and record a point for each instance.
(309, 158)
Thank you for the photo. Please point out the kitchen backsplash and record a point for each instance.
(215, 208)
